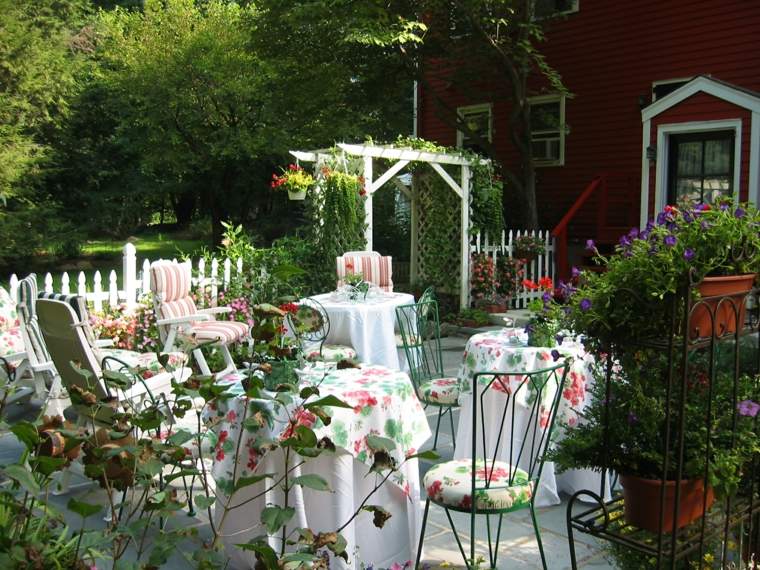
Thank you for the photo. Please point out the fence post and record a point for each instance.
(145, 277)
(113, 289)
(13, 286)
(97, 288)
(65, 283)
(129, 273)
(82, 285)
(48, 283)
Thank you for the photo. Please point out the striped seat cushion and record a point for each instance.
(376, 269)
(224, 332)
(172, 281)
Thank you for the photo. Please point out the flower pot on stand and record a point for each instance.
(729, 292)
(495, 308)
(300, 195)
(642, 502)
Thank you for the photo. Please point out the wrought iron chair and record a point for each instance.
(421, 336)
(310, 325)
(484, 485)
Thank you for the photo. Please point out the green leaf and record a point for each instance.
(312, 481)
(299, 557)
(308, 392)
(180, 436)
(184, 473)
(204, 502)
(118, 379)
(243, 482)
(379, 443)
(429, 454)
(26, 433)
(274, 518)
(329, 400)
(47, 465)
(83, 509)
(260, 547)
(24, 477)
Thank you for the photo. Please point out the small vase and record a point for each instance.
(642, 502)
(730, 292)
(300, 195)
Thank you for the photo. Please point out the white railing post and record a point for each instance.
(201, 282)
(214, 278)
(227, 268)
(65, 288)
(13, 285)
(129, 273)
(82, 285)
(145, 276)
(113, 289)
(48, 283)
(97, 291)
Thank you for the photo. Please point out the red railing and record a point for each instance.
(560, 231)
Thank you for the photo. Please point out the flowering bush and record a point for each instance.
(546, 318)
(293, 179)
(509, 275)
(130, 329)
(483, 279)
(528, 247)
(650, 266)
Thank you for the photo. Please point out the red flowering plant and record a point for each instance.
(546, 320)
(294, 179)
(510, 272)
(483, 282)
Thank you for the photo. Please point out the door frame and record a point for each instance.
(663, 150)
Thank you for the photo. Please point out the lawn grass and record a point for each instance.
(105, 255)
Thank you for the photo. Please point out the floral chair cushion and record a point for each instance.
(8, 316)
(332, 353)
(400, 341)
(441, 391)
(450, 484)
(147, 362)
(11, 342)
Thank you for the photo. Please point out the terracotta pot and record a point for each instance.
(735, 287)
(642, 502)
(495, 308)
(297, 195)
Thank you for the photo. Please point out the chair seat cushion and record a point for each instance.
(11, 342)
(450, 484)
(147, 362)
(225, 332)
(333, 353)
(400, 341)
(443, 391)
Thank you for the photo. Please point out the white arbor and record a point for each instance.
(399, 158)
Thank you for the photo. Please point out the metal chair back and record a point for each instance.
(420, 331)
(310, 324)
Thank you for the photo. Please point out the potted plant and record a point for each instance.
(484, 284)
(295, 180)
(693, 248)
(546, 320)
(528, 247)
(509, 275)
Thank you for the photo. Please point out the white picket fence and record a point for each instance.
(543, 266)
(209, 278)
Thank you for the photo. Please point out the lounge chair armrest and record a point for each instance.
(104, 342)
(215, 311)
(182, 320)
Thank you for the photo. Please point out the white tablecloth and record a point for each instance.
(383, 403)
(501, 350)
(368, 326)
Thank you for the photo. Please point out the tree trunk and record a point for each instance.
(183, 205)
(218, 204)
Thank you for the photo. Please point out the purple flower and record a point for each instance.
(625, 241)
(688, 217)
(644, 235)
(739, 213)
(555, 355)
(662, 218)
(585, 304)
(705, 225)
(670, 240)
(559, 338)
(652, 250)
(748, 408)
(567, 310)
(632, 418)
(546, 297)
(688, 254)
(724, 207)
(575, 272)
(590, 245)
(633, 233)
(650, 226)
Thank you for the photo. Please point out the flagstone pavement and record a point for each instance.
(517, 547)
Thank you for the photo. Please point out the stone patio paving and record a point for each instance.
(517, 547)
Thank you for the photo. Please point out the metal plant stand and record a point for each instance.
(728, 534)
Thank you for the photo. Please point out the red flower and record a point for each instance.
(490, 474)
(528, 284)
(546, 283)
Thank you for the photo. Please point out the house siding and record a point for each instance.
(608, 54)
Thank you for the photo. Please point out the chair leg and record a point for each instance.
(201, 360)
(229, 363)
(437, 428)
(468, 562)
(422, 534)
(537, 530)
(453, 433)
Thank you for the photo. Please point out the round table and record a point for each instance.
(506, 350)
(383, 403)
(367, 325)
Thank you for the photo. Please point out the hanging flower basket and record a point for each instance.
(298, 195)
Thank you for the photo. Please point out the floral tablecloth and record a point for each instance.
(505, 350)
(383, 403)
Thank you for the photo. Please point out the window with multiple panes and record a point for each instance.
(479, 122)
(547, 125)
(701, 167)
(550, 8)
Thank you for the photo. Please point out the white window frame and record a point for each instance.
(663, 144)
(683, 80)
(473, 109)
(575, 8)
(554, 98)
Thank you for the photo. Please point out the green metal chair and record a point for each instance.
(421, 336)
(499, 487)
(310, 325)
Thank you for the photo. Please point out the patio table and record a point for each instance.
(367, 325)
(384, 403)
(506, 350)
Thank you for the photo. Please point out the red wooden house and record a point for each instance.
(665, 105)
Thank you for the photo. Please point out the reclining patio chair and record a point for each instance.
(177, 314)
(14, 349)
(373, 267)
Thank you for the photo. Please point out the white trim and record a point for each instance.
(645, 168)
(406, 154)
(663, 134)
(474, 109)
(683, 80)
(562, 128)
(753, 185)
(705, 85)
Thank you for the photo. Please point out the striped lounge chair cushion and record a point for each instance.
(375, 269)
